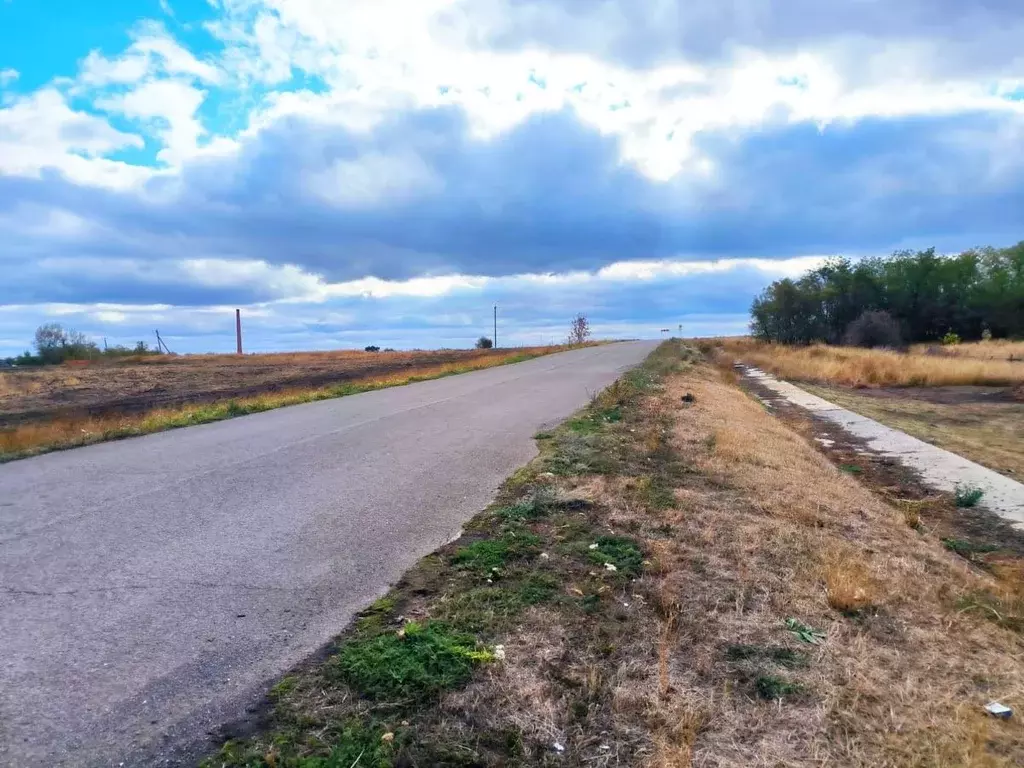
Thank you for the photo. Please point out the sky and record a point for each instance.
(353, 172)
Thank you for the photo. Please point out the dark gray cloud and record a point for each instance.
(549, 196)
(965, 36)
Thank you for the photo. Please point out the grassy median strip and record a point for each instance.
(37, 437)
(678, 579)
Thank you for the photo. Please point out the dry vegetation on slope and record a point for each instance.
(679, 579)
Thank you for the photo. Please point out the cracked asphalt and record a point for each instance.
(151, 589)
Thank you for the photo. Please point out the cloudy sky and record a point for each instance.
(385, 171)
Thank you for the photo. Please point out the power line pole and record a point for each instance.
(495, 326)
(238, 329)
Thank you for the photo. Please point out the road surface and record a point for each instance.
(151, 588)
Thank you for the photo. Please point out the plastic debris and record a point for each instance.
(610, 567)
(558, 748)
(996, 709)
(594, 546)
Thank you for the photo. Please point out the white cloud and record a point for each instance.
(171, 101)
(152, 52)
(8, 76)
(41, 131)
(371, 64)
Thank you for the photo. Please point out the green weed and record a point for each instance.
(624, 553)
(772, 687)
(414, 664)
(966, 548)
(491, 555)
(967, 495)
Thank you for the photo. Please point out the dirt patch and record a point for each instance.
(955, 395)
(100, 389)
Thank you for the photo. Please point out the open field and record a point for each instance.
(679, 579)
(64, 406)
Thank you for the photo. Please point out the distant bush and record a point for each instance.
(950, 339)
(371, 348)
(484, 343)
(874, 329)
(55, 344)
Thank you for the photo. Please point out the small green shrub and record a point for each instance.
(415, 664)
(851, 469)
(951, 339)
(772, 688)
(967, 495)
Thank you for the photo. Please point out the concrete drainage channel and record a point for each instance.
(938, 468)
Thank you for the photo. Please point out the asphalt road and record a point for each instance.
(150, 589)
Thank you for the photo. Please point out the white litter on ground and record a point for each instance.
(938, 468)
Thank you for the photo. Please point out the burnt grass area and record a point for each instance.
(550, 585)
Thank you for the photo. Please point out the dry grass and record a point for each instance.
(874, 368)
(75, 430)
(903, 672)
(1001, 349)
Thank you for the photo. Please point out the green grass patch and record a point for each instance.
(490, 555)
(415, 664)
(968, 549)
(354, 743)
(775, 688)
(622, 552)
(489, 609)
(851, 469)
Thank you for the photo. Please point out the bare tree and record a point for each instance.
(579, 330)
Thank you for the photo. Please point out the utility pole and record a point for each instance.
(495, 326)
(238, 329)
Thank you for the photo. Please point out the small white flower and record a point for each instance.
(545, 556)
(499, 652)
(610, 567)
(593, 546)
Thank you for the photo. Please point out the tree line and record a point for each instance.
(921, 295)
(56, 344)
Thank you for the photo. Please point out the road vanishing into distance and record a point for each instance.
(151, 588)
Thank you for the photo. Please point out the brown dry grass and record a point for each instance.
(874, 367)
(77, 429)
(903, 673)
(1001, 349)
